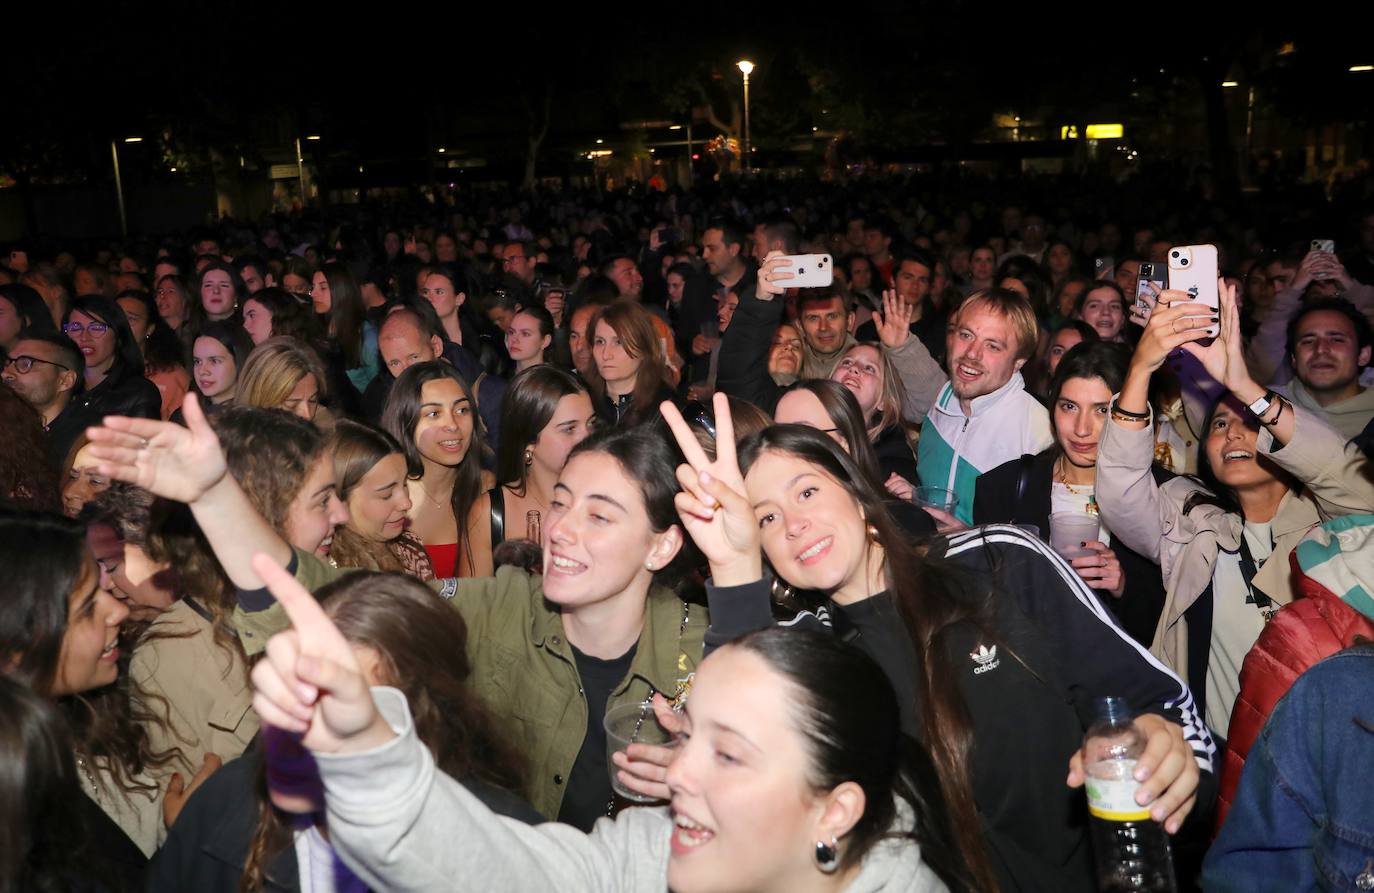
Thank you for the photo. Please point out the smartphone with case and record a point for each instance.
(1152, 279)
(808, 270)
(1193, 269)
(1327, 245)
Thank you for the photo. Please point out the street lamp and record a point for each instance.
(119, 183)
(746, 67)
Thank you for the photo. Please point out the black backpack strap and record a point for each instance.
(497, 497)
(1022, 485)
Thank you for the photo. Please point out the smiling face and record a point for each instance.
(1231, 448)
(825, 324)
(443, 431)
(982, 352)
(1079, 414)
(214, 369)
(861, 371)
(1327, 357)
(90, 645)
(746, 817)
(613, 361)
(813, 531)
(1103, 310)
(316, 510)
(599, 537)
(217, 294)
(379, 502)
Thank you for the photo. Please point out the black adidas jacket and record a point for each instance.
(1029, 711)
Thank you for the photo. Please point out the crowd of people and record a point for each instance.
(334, 538)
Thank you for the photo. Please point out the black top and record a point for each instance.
(123, 392)
(108, 859)
(622, 410)
(895, 455)
(1027, 682)
(64, 430)
(209, 844)
(589, 785)
(1018, 492)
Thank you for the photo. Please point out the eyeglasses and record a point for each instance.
(24, 363)
(95, 328)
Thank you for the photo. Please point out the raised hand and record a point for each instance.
(310, 682)
(712, 504)
(161, 457)
(1175, 321)
(1224, 358)
(894, 322)
(775, 270)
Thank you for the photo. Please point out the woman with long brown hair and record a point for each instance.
(1002, 641)
(370, 471)
(628, 377)
(245, 832)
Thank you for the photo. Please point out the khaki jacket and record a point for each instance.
(1150, 520)
(199, 687)
(523, 666)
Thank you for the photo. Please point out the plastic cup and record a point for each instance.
(937, 498)
(1069, 530)
(629, 724)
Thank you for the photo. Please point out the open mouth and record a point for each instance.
(1237, 456)
(111, 652)
(816, 550)
(561, 564)
(688, 835)
(324, 547)
(453, 446)
(967, 372)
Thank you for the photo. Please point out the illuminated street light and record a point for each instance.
(746, 68)
(1362, 68)
(1230, 83)
(133, 139)
(313, 137)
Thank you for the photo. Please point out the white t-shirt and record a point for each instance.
(320, 869)
(1062, 499)
(1236, 624)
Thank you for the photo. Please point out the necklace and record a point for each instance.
(434, 502)
(1091, 507)
(84, 768)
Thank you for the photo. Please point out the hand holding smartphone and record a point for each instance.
(809, 270)
(1191, 269)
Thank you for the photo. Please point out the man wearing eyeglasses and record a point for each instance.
(46, 371)
(517, 260)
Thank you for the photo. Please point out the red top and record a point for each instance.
(444, 558)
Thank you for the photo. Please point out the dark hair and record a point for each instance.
(527, 407)
(231, 337)
(1097, 285)
(916, 255)
(26, 478)
(67, 351)
(731, 232)
(356, 450)
(842, 407)
(1030, 274)
(103, 281)
(44, 557)
(782, 228)
(234, 280)
(29, 307)
(1217, 493)
(1364, 336)
(161, 348)
(243, 261)
(290, 318)
(347, 313)
(102, 309)
(402, 414)
(194, 313)
(1106, 360)
(269, 452)
(41, 831)
(541, 316)
(845, 709)
(422, 646)
(933, 605)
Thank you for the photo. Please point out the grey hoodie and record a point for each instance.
(402, 825)
(1349, 417)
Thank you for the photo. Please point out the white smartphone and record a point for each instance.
(808, 270)
(1327, 245)
(1193, 268)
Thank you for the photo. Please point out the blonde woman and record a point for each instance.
(283, 373)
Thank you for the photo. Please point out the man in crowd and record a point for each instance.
(1329, 344)
(254, 272)
(47, 371)
(580, 338)
(878, 236)
(984, 416)
(518, 260)
(827, 323)
(914, 270)
(624, 272)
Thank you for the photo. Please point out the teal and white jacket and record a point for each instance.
(954, 448)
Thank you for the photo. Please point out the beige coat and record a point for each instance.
(208, 699)
(1149, 518)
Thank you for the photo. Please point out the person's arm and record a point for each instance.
(392, 818)
(742, 365)
(188, 465)
(921, 376)
(1334, 470)
(478, 540)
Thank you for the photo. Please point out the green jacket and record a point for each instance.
(523, 666)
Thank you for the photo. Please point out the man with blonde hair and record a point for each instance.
(983, 416)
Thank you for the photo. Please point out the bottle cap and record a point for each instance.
(1113, 710)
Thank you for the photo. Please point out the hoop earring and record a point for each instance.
(827, 856)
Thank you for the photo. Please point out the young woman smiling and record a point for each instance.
(1270, 471)
(975, 636)
(544, 414)
(553, 653)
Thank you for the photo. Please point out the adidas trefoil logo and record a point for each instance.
(985, 659)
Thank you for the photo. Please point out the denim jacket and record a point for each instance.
(1303, 817)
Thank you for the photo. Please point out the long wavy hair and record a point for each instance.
(422, 644)
(269, 452)
(842, 407)
(933, 601)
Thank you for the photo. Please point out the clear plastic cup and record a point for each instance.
(1069, 530)
(629, 724)
(937, 498)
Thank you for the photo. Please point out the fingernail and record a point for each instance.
(1082, 543)
(705, 478)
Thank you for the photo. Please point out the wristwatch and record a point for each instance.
(1262, 403)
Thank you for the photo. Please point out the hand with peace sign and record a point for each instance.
(713, 504)
(310, 682)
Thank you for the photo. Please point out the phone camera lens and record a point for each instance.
(1184, 262)
(1173, 254)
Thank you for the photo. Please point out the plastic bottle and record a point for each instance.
(1131, 849)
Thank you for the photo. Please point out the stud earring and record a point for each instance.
(827, 855)
(872, 533)
(529, 457)
(648, 565)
